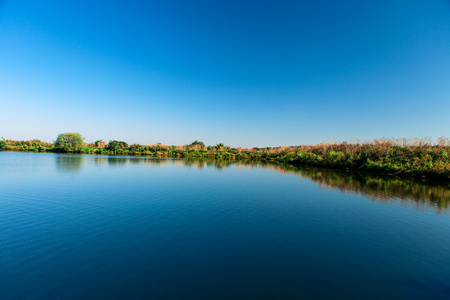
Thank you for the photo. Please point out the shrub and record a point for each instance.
(70, 142)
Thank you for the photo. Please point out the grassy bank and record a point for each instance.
(416, 158)
(419, 158)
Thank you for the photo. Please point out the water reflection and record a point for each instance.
(380, 188)
(114, 161)
(69, 164)
(376, 187)
(100, 160)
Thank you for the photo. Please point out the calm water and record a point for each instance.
(92, 227)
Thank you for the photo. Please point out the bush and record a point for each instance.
(117, 146)
(70, 142)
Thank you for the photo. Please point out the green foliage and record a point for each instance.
(116, 146)
(411, 161)
(134, 148)
(70, 142)
(395, 157)
(99, 144)
(197, 143)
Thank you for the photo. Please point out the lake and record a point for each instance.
(98, 227)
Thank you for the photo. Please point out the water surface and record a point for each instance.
(90, 227)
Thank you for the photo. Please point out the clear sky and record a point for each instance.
(242, 73)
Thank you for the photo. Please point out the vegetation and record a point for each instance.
(2, 144)
(116, 146)
(402, 157)
(69, 142)
(410, 158)
(31, 145)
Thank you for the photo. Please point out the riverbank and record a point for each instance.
(403, 158)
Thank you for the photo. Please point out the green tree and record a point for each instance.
(116, 146)
(196, 145)
(70, 142)
(199, 143)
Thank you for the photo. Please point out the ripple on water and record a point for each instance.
(94, 227)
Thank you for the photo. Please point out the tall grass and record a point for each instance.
(405, 157)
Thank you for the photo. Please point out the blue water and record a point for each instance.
(97, 227)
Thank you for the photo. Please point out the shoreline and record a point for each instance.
(297, 160)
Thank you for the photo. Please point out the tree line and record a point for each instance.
(399, 157)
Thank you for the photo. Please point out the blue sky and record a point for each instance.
(244, 73)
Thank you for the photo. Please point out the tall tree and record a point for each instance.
(70, 142)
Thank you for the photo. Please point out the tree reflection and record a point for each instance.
(69, 164)
(380, 188)
(115, 161)
(376, 187)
